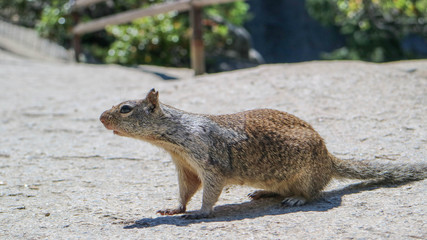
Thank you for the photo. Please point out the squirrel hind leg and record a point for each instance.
(258, 194)
(302, 190)
(289, 200)
(294, 201)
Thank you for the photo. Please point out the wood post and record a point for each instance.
(76, 37)
(77, 47)
(197, 47)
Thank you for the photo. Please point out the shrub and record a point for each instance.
(375, 30)
(159, 40)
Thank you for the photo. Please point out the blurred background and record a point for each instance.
(237, 34)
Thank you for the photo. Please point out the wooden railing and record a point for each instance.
(194, 6)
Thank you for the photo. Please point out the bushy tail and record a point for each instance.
(393, 173)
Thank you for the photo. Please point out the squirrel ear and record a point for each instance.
(153, 97)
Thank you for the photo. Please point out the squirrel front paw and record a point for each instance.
(171, 211)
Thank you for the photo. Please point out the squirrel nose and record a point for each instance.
(103, 117)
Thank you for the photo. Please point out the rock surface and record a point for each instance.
(63, 176)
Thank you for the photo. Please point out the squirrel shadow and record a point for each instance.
(264, 207)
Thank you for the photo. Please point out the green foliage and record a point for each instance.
(236, 12)
(22, 12)
(164, 39)
(216, 36)
(374, 29)
(55, 22)
(160, 40)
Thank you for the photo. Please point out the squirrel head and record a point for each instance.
(134, 118)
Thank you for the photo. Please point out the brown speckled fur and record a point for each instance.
(268, 149)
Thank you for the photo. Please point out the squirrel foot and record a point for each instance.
(171, 211)
(294, 201)
(255, 195)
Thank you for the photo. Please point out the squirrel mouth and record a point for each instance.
(112, 128)
(109, 127)
(118, 133)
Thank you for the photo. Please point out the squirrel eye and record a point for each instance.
(125, 109)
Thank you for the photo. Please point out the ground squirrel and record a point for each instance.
(267, 149)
